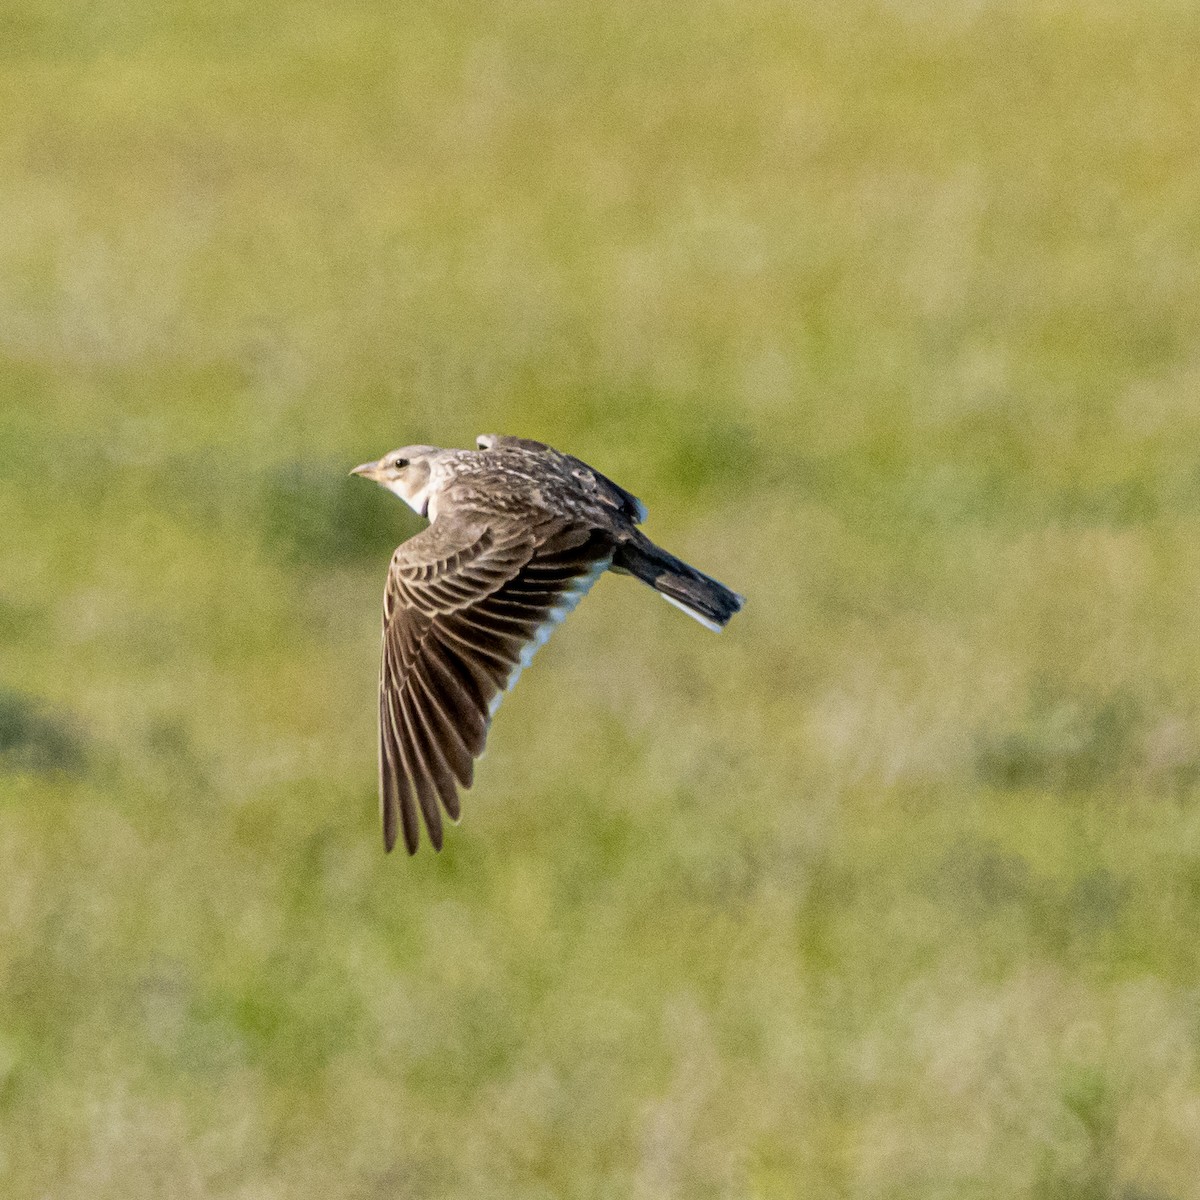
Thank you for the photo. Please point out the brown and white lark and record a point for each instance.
(518, 534)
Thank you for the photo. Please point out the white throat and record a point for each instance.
(422, 502)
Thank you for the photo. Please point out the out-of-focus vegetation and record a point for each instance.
(891, 313)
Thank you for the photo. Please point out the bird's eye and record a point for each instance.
(400, 462)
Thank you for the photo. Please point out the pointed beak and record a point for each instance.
(369, 470)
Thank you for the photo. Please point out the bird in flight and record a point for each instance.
(518, 534)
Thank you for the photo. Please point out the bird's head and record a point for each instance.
(408, 472)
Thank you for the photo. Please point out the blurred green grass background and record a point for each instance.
(890, 312)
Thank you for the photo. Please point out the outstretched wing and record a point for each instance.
(464, 612)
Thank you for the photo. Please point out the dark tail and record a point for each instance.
(709, 602)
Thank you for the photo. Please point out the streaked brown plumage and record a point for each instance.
(519, 533)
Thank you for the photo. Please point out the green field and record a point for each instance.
(891, 314)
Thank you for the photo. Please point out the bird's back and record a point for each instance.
(558, 480)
